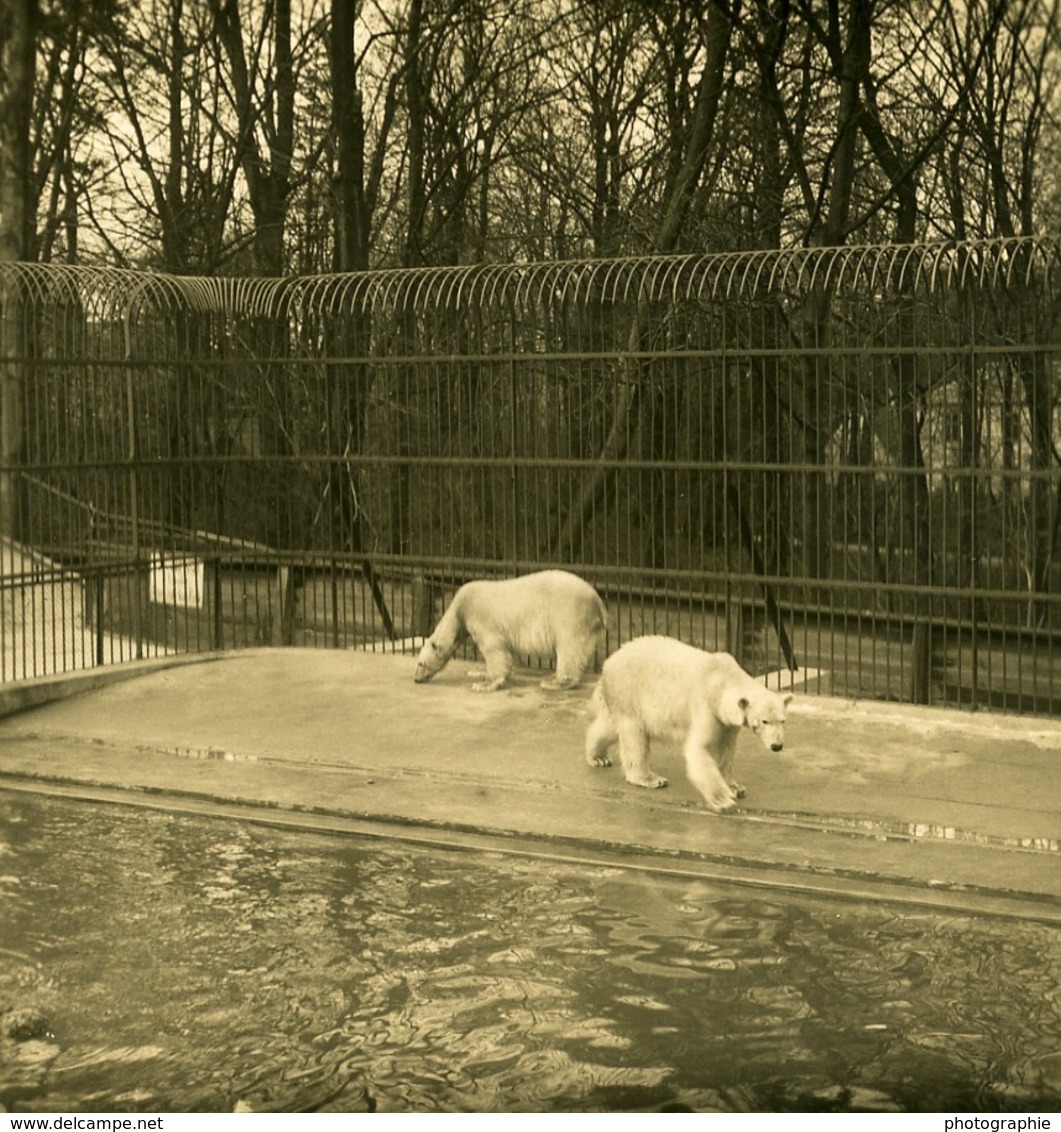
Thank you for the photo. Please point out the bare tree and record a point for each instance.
(1005, 125)
(263, 95)
(716, 32)
(176, 171)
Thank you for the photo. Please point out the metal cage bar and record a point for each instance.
(840, 464)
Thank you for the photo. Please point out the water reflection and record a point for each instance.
(169, 963)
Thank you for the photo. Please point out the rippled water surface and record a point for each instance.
(158, 962)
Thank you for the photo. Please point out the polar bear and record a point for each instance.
(552, 611)
(657, 687)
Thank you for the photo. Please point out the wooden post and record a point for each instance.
(423, 613)
(284, 622)
(735, 628)
(921, 663)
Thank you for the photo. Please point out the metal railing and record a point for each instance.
(840, 464)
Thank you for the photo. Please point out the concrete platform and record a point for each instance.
(869, 801)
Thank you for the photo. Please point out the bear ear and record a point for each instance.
(736, 709)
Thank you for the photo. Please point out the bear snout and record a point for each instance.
(776, 746)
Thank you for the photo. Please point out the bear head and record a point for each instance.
(431, 661)
(762, 712)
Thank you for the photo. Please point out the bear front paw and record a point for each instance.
(722, 803)
(648, 781)
(598, 760)
(558, 683)
(488, 686)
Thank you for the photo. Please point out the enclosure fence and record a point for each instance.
(841, 465)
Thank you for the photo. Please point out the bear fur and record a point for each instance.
(657, 688)
(542, 614)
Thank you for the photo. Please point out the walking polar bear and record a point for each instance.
(540, 614)
(657, 687)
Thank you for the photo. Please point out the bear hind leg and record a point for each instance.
(633, 754)
(600, 736)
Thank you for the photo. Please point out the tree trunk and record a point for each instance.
(913, 493)
(268, 180)
(416, 105)
(17, 65)
(174, 218)
(348, 384)
(352, 219)
(567, 543)
(17, 46)
(811, 400)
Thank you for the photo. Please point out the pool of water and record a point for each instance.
(160, 962)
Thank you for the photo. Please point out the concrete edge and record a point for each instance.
(38, 691)
(824, 882)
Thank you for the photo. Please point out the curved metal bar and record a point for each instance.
(126, 293)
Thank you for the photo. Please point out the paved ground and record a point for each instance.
(872, 800)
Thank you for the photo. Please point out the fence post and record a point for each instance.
(284, 622)
(735, 627)
(141, 570)
(99, 589)
(334, 579)
(212, 588)
(12, 403)
(423, 614)
(921, 673)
